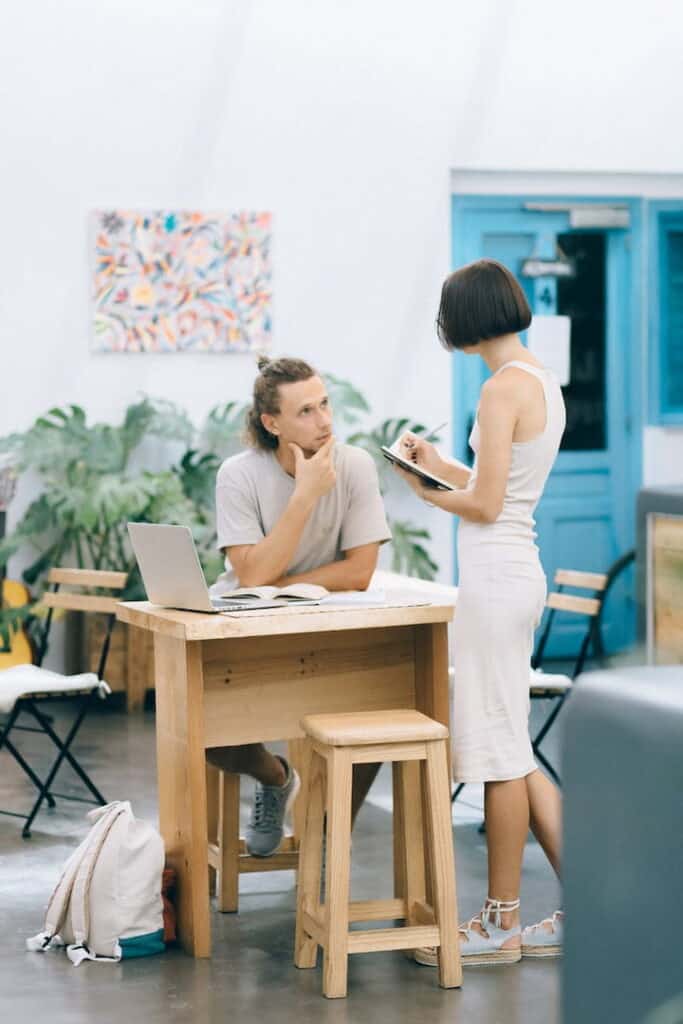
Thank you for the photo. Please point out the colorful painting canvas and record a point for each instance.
(181, 281)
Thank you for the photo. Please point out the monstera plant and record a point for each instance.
(94, 482)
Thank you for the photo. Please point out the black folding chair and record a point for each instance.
(557, 687)
(82, 690)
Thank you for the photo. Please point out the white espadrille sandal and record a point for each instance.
(477, 949)
(545, 938)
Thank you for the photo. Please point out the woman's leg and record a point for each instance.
(506, 811)
(545, 815)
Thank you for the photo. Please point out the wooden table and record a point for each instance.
(226, 680)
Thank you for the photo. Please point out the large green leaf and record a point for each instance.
(197, 474)
(54, 442)
(156, 417)
(34, 527)
(12, 619)
(409, 554)
(169, 504)
(223, 429)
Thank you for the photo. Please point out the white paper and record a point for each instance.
(548, 338)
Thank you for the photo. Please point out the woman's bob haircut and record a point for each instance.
(482, 300)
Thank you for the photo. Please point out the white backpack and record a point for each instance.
(107, 904)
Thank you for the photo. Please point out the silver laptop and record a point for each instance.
(172, 573)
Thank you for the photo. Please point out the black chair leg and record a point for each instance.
(16, 754)
(457, 791)
(547, 765)
(548, 724)
(64, 754)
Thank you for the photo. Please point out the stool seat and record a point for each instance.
(365, 728)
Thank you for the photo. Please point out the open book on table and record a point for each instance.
(306, 593)
(295, 593)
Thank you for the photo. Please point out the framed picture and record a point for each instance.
(181, 281)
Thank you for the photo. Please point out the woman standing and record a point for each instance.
(502, 591)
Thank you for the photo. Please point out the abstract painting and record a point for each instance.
(181, 281)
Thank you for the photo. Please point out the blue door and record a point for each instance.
(586, 517)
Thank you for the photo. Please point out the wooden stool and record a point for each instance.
(337, 743)
(227, 853)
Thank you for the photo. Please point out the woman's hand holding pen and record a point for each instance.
(424, 454)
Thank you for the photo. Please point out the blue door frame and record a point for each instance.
(663, 215)
(500, 217)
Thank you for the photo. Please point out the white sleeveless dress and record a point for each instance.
(501, 596)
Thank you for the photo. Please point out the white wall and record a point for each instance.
(343, 119)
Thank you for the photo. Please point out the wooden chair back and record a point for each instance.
(68, 600)
(558, 600)
(90, 578)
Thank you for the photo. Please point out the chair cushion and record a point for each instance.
(635, 674)
(366, 727)
(30, 680)
(548, 682)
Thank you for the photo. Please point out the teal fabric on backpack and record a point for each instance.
(142, 945)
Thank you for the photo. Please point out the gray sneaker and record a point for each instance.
(271, 805)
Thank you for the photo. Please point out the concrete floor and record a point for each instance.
(250, 974)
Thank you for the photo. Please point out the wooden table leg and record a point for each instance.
(299, 755)
(431, 671)
(432, 698)
(181, 773)
(137, 667)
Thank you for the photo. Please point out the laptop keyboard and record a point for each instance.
(232, 606)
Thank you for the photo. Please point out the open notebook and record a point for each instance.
(295, 593)
(392, 455)
(305, 593)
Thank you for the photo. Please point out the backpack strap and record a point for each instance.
(59, 901)
(80, 895)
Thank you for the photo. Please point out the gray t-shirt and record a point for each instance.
(252, 491)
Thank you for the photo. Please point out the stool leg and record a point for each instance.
(399, 832)
(213, 781)
(227, 882)
(310, 863)
(443, 863)
(337, 873)
(413, 837)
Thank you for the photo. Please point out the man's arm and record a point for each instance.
(262, 564)
(257, 565)
(353, 572)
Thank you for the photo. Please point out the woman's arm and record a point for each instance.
(456, 472)
(498, 412)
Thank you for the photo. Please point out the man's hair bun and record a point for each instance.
(262, 362)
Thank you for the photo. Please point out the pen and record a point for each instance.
(435, 430)
(427, 434)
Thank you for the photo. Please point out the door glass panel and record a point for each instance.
(583, 299)
(672, 341)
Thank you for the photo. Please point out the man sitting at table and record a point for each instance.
(297, 507)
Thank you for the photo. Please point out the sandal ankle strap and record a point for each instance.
(495, 908)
